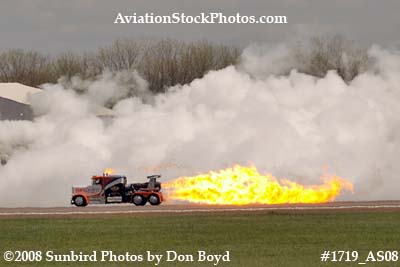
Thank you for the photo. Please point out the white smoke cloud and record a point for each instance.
(295, 126)
(261, 60)
(109, 88)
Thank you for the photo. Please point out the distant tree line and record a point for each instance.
(318, 55)
(167, 62)
(162, 63)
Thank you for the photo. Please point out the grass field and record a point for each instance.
(262, 239)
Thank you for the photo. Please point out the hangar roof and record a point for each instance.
(20, 93)
(17, 92)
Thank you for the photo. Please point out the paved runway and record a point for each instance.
(195, 208)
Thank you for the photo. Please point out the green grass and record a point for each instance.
(264, 239)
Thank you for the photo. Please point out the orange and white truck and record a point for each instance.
(107, 189)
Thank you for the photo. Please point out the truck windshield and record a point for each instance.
(98, 181)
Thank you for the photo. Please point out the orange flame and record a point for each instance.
(245, 185)
(108, 171)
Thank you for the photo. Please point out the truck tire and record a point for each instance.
(80, 201)
(154, 200)
(139, 200)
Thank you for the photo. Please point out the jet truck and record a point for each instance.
(107, 189)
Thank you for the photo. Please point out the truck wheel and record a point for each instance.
(154, 200)
(80, 201)
(139, 200)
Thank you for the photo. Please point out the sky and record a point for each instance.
(53, 26)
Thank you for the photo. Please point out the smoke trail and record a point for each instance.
(294, 126)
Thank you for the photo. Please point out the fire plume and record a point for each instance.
(245, 185)
(108, 171)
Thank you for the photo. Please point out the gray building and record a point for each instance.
(14, 101)
(12, 110)
(14, 106)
